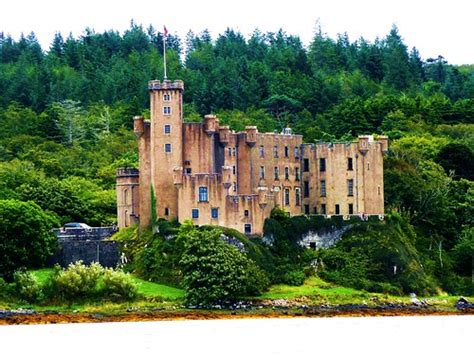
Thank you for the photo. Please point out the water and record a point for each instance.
(378, 335)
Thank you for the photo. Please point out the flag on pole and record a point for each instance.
(165, 31)
(165, 34)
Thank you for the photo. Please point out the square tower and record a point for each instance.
(166, 105)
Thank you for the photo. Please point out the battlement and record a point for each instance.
(166, 85)
(127, 172)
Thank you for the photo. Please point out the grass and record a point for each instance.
(146, 289)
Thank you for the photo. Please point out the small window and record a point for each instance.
(195, 213)
(351, 208)
(203, 194)
(234, 170)
(305, 164)
(287, 173)
(276, 172)
(214, 213)
(246, 213)
(187, 171)
(286, 151)
(297, 174)
(275, 151)
(166, 97)
(323, 188)
(378, 190)
(337, 210)
(297, 152)
(350, 187)
(322, 164)
(167, 211)
(167, 110)
(349, 164)
(234, 187)
(306, 188)
(247, 228)
(167, 129)
(287, 197)
(315, 210)
(368, 166)
(261, 151)
(167, 148)
(233, 152)
(306, 209)
(297, 196)
(323, 208)
(262, 172)
(230, 152)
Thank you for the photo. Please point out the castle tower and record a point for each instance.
(166, 106)
(127, 196)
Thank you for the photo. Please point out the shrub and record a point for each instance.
(294, 278)
(77, 281)
(26, 286)
(118, 285)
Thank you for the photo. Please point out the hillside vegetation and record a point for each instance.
(65, 126)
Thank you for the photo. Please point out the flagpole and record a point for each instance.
(164, 53)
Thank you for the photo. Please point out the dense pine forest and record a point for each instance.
(66, 118)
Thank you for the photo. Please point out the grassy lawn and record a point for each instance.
(145, 288)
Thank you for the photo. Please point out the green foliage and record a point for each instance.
(78, 281)
(26, 239)
(215, 271)
(118, 286)
(27, 287)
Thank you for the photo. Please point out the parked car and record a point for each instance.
(77, 226)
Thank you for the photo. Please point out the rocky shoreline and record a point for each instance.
(263, 309)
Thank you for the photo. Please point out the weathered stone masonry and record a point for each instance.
(211, 175)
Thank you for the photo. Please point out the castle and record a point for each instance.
(210, 174)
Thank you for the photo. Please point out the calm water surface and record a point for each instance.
(380, 335)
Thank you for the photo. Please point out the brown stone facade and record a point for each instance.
(209, 174)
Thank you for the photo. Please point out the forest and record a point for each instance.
(66, 125)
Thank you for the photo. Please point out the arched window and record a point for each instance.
(125, 197)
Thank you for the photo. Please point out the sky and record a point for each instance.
(435, 27)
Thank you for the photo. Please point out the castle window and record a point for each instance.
(378, 190)
(349, 164)
(305, 164)
(306, 209)
(287, 173)
(167, 211)
(306, 189)
(262, 172)
(323, 188)
(166, 110)
(234, 187)
(247, 228)
(322, 164)
(297, 152)
(368, 166)
(167, 148)
(246, 213)
(125, 196)
(350, 187)
(276, 173)
(297, 174)
(167, 129)
(287, 197)
(275, 151)
(187, 171)
(195, 213)
(214, 213)
(233, 152)
(261, 151)
(234, 169)
(286, 151)
(337, 210)
(315, 210)
(203, 194)
(351, 208)
(297, 196)
(230, 152)
(166, 97)
(323, 208)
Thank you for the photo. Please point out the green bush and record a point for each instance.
(118, 285)
(294, 278)
(77, 281)
(26, 286)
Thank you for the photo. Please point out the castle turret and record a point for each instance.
(166, 101)
(127, 196)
